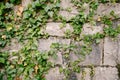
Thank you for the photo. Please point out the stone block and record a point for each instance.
(58, 60)
(94, 58)
(65, 4)
(106, 73)
(44, 45)
(91, 29)
(67, 15)
(54, 29)
(13, 46)
(111, 48)
(105, 9)
(54, 74)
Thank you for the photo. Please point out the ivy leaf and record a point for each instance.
(97, 41)
(50, 14)
(1, 8)
(2, 60)
(8, 5)
(9, 26)
(26, 14)
(37, 3)
(47, 8)
(45, 56)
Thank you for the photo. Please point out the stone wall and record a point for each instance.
(104, 56)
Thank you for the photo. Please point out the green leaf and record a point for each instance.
(50, 13)
(27, 14)
(8, 5)
(2, 60)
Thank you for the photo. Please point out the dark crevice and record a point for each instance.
(118, 68)
(103, 52)
(72, 76)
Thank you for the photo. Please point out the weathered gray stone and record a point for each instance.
(54, 29)
(91, 29)
(110, 51)
(105, 9)
(44, 45)
(95, 57)
(54, 74)
(58, 60)
(13, 46)
(67, 15)
(105, 73)
(65, 4)
(84, 75)
(118, 55)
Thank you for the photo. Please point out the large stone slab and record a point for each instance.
(93, 58)
(66, 4)
(67, 15)
(106, 73)
(54, 74)
(91, 29)
(105, 9)
(44, 45)
(54, 29)
(14, 45)
(111, 50)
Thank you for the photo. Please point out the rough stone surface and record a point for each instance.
(105, 9)
(13, 46)
(44, 45)
(103, 73)
(95, 57)
(110, 51)
(118, 55)
(65, 4)
(58, 61)
(54, 74)
(67, 15)
(54, 29)
(91, 29)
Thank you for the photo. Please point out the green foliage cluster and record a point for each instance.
(25, 26)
